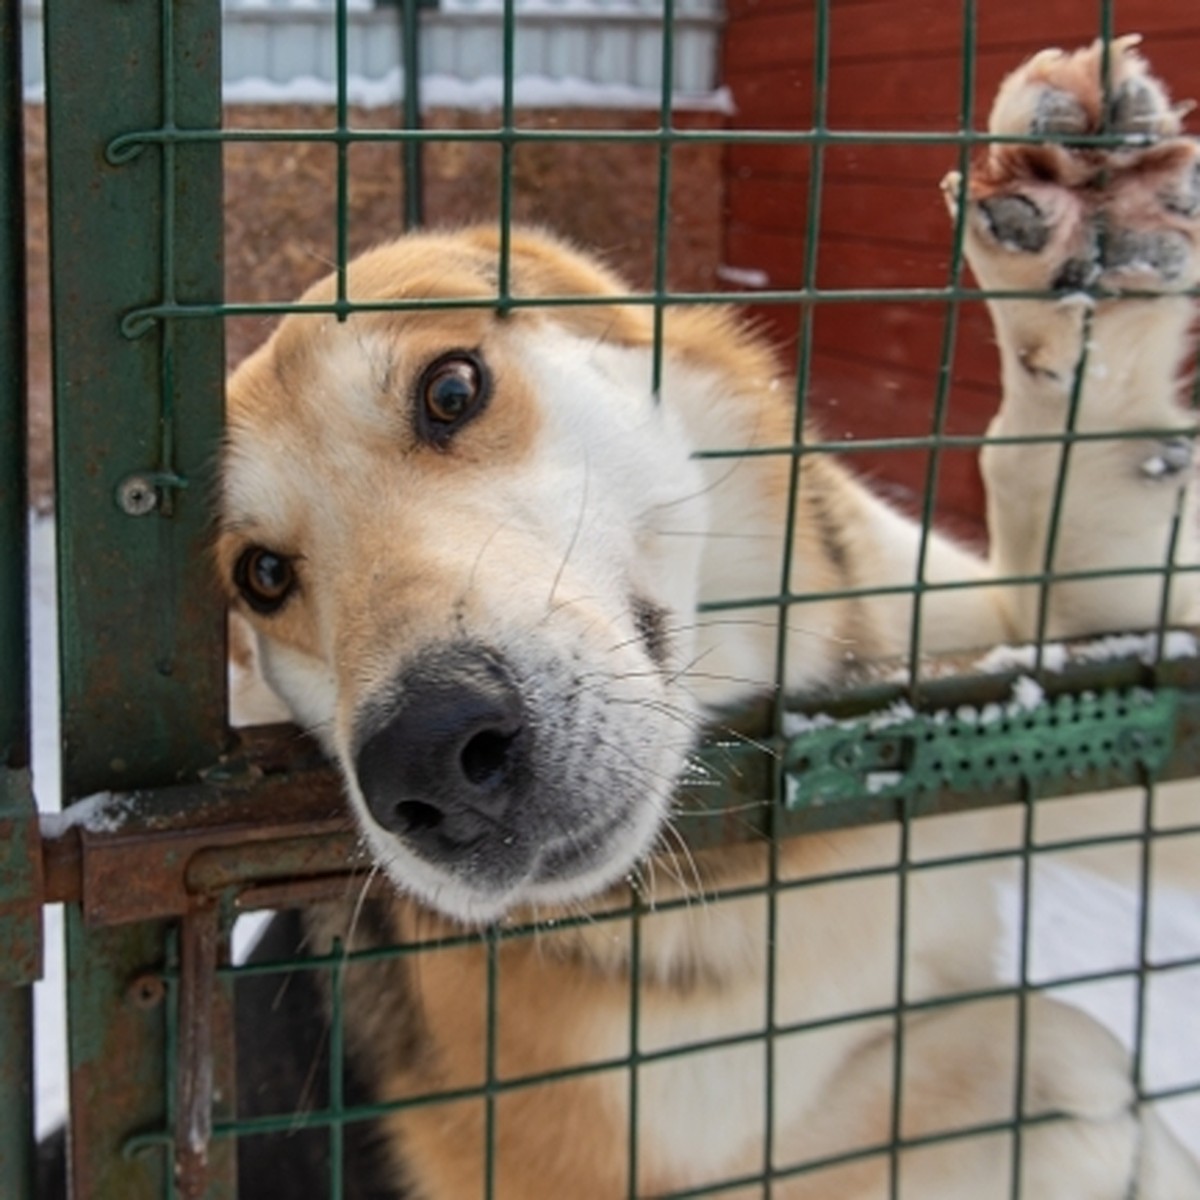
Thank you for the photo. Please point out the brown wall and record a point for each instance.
(894, 65)
(280, 210)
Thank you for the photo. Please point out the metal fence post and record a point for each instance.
(20, 948)
(136, 232)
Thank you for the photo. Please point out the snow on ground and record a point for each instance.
(482, 94)
(50, 1017)
(1082, 922)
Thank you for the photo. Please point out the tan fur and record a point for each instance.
(507, 537)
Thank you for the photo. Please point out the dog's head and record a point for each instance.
(445, 527)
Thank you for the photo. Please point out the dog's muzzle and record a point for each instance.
(442, 764)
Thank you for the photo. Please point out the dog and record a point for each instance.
(471, 550)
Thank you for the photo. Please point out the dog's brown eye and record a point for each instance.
(264, 578)
(453, 389)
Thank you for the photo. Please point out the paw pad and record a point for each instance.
(1015, 221)
(1081, 214)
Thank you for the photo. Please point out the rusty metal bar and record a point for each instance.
(117, 1038)
(128, 859)
(200, 934)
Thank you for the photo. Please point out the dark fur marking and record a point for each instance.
(650, 621)
(828, 531)
(1026, 356)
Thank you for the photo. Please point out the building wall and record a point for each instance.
(894, 65)
(566, 52)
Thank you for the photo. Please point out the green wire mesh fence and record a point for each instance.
(216, 824)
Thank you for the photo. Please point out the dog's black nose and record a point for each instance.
(439, 765)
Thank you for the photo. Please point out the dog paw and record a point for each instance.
(1107, 197)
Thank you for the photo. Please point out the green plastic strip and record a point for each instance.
(897, 754)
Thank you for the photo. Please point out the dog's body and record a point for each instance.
(482, 594)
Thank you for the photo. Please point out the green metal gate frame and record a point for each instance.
(20, 861)
(218, 822)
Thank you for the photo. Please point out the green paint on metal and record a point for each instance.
(117, 1040)
(899, 753)
(16, 1092)
(412, 149)
(20, 897)
(20, 882)
(13, 503)
(142, 636)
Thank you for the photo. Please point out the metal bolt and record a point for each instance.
(846, 755)
(137, 496)
(147, 990)
(1129, 740)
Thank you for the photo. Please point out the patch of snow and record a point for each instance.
(487, 92)
(50, 1027)
(105, 812)
(45, 745)
(49, 993)
(1027, 695)
(580, 8)
(1178, 643)
(1082, 922)
(880, 781)
(794, 724)
(1021, 658)
(749, 277)
(284, 5)
(896, 713)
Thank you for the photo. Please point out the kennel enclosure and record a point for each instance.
(202, 823)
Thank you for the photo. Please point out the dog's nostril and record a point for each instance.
(415, 816)
(486, 756)
(443, 760)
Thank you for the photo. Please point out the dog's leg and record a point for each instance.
(1072, 220)
(1085, 1136)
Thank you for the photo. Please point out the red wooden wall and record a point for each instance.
(894, 65)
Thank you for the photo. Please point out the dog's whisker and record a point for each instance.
(710, 535)
(575, 532)
(469, 586)
(358, 908)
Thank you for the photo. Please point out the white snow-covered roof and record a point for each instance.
(566, 52)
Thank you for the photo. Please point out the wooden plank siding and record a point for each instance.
(895, 65)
